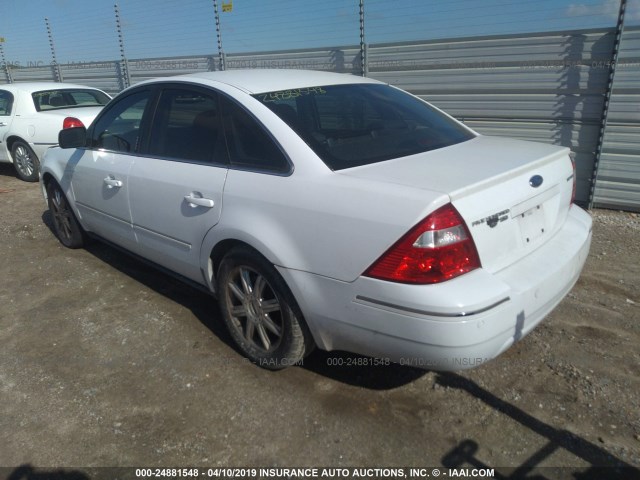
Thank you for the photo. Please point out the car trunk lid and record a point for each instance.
(84, 114)
(513, 195)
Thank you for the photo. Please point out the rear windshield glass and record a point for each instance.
(68, 98)
(352, 125)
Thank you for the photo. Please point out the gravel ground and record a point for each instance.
(108, 363)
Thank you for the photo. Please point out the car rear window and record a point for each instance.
(353, 125)
(68, 98)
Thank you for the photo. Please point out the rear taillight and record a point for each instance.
(72, 122)
(572, 156)
(438, 248)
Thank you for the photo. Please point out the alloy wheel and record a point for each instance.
(24, 161)
(254, 307)
(61, 214)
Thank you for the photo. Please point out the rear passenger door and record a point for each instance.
(175, 187)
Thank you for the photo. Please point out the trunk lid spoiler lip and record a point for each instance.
(498, 159)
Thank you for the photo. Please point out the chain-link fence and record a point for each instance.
(73, 33)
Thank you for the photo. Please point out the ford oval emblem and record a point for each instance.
(536, 181)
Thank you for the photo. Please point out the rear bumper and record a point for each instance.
(455, 325)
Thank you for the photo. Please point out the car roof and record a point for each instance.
(37, 86)
(268, 80)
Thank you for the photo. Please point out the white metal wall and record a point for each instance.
(547, 88)
(617, 182)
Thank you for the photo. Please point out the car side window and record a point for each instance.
(6, 102)
(187, 126)
(118, 129)
(250, 146)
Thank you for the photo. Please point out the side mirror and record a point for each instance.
(72, 137)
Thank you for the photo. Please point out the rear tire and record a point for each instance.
(25, 162)
(65, 224)
(260, 312)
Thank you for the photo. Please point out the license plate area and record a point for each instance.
(532, 224)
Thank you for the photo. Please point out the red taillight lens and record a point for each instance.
(71, 122)
(438, 248)
(572, 156)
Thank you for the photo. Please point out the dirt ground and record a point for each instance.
(105, 362)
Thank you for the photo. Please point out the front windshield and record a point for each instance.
(68, 98)
(360, 124)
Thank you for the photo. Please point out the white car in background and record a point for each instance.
(327, 210)
(32, 114)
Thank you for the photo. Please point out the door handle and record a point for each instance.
(199, 201)
(3, 124)
(112, 182)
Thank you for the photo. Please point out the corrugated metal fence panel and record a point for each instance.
(572, 135)
(618, 177)
(544, 87)
(102, 75)
(547, 87)
(339, 59)
(33, 74)
(542, 50)
(147, 68)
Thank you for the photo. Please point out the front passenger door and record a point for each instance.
(100, 176)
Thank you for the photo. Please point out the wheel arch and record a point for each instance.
(11, 140)
(223, 247)
(55, 175)
(47, 177)
(217, 254)
(218, 241)
(54, 169)
(226, 244)
(65, 222)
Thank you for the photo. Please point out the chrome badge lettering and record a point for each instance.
(493, 220)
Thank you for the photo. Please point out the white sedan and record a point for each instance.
(327, 210)
(32, 114)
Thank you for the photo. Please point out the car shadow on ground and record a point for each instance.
(203, 305)
(344, 367)
(603, 465)
(27, 472)
(200, 303)
(7, 170)
(361, 371)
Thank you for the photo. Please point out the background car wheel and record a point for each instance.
(25, 162)
(65, 224)
(260, 311)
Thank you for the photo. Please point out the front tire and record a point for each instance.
(25, 161)
(260, 312)
(65, 224)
